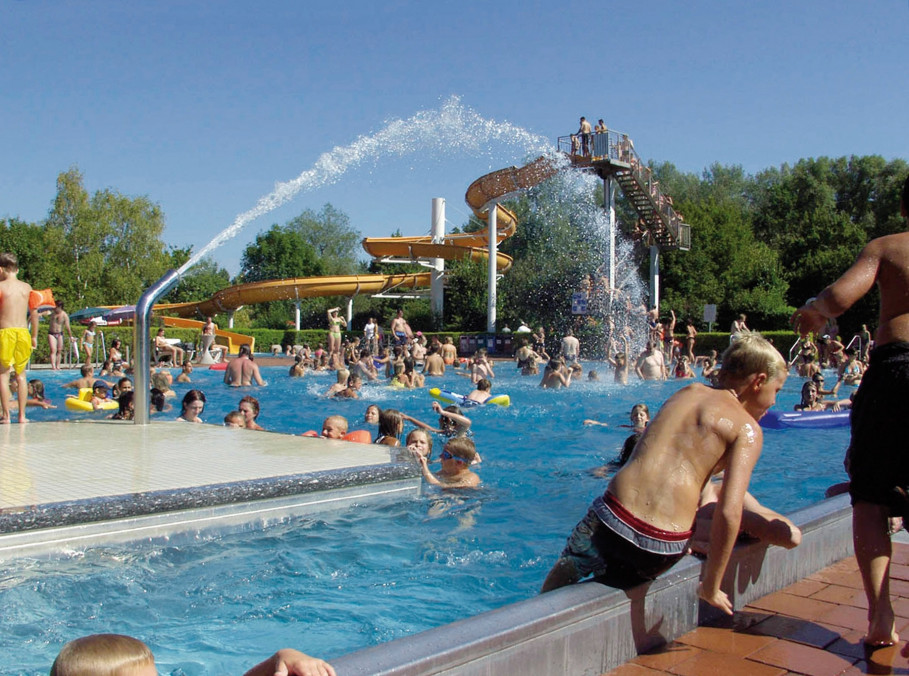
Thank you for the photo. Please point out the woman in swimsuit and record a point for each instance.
(114, 354)
(88, 342)
(335, 322)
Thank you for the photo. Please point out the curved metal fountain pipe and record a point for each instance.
(141, 345)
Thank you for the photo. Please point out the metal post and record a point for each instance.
(437, 288)
(491, 280)
(609, 208)
(230, 319)
(349, 311)
(141, 344)
(296, 316)
(655, 276)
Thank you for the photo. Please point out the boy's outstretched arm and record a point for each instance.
(420, 424)
(424, 468)
(743, 455)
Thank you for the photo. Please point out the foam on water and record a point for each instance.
(451, 128)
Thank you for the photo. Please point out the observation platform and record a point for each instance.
(611, 154)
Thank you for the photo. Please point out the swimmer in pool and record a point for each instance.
(698, 431)
(372, 415)
(483, 392)
(334, 427)
(419, 442)
(458, 455)
(128, 656)
(452, 422)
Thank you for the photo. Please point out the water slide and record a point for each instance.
(492, 186)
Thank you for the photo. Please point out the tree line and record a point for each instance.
(761, 245)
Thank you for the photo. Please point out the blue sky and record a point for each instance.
(204, 106)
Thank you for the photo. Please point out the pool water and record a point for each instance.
(362, 576)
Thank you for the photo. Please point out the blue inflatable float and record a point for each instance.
(447, 397)
(782, 420)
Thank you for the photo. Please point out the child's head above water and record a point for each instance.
(235, 419)
(462, 449)
(104, 655)
(640, 416)
(420, 441)
(334, 427)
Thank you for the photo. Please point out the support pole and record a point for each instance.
(491, 280)
(230, 319)
(142, 343)
(609, 208)
(655, 276)
(297, 315)
(349, 311)
(437, 288)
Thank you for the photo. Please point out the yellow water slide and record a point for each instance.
(492, 186)
(472, 245)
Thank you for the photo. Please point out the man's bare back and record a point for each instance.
(242, 372)
(693, 431)
(434, 366)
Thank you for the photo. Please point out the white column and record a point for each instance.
(491, 280)
(297, 315)
(437, 286)
(349, 311)
(609, 208)
(654, 276)
(230, 319)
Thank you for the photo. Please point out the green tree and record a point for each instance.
(31, 243)
(331, 236)
(279, 253)
(200, 282)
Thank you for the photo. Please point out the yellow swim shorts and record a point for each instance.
(15, 348)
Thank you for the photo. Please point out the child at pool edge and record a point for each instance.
(235, 420)
(334, 427)
(700, 429)
(457, 457)
(119, 655)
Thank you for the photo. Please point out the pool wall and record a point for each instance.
(587, 629)
(183, 515)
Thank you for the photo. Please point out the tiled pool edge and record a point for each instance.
(177, 516)
(588, 629)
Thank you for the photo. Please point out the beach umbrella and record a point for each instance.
(119, 313)
(88, 314)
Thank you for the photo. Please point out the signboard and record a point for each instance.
(579, 303)
(710, 316)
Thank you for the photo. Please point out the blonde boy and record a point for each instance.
(642, 524)
(457, 457)
(105, 655)
(17, 301)
(334, 427)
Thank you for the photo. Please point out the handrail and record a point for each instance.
(141, 345)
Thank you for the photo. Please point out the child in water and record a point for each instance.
(128, 656)
(640, 417)
(698, 431)
(457, 457)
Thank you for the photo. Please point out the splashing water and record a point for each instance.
(453, 127)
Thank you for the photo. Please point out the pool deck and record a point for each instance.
(59, 481)
(814, 626)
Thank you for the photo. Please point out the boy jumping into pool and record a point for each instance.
(16, 343)
(641, 526)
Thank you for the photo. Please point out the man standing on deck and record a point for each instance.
(584, 135)
(877, 460)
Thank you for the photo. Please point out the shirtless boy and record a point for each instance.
(16, 343)
(434, 366)
(699, 432)
(457, 457)
(243, 371)
(650, 364)
(878, 464)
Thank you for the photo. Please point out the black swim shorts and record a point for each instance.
(877, 459)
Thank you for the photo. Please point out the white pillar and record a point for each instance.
(349, 311)
(230, 319)
(297, 315)
(609, 208)
(491, 280)
(437, 287)
(654, 276)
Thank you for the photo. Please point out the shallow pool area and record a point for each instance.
(356, 577)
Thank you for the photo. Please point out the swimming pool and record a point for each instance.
(360, 577)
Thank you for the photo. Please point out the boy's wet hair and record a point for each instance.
(751, 353)
(101, 655)
(340, 420)
(462, 448)
(9, 261)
